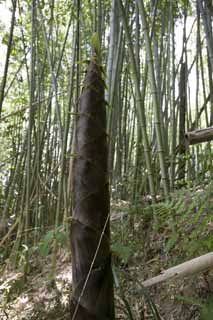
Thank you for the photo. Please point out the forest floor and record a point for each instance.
(146, 239)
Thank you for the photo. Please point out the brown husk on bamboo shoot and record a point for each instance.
(93, 291)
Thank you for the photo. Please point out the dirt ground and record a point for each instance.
(140, 256)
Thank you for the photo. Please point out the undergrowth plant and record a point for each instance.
(186, 222)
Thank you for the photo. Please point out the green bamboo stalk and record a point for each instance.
(172, 103)
(9, 47)
(139, 104)
(207, 29)
(161, 150)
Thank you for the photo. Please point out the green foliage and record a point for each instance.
(188, 300)
(189, 213)
(206, 307)
(46, 242)
(95, 43)
(207, 310)
(128, 309)
(12, 285)
(171, 242)
(44, 245)
(124, 252)
(142, 291)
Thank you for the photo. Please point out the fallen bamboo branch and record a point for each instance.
(118, 216)
(7, 236)
(198, 136)
(196, 265)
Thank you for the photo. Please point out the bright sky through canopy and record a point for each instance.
(5, 19)
(5, 14)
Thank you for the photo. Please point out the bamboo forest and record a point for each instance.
(106, 159)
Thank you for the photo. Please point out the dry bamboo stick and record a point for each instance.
(198, 136)
(187, 268)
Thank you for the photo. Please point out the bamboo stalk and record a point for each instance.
(198, 136)
(9, 47)
(196, 265)
(158, 124)
(139, 101)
